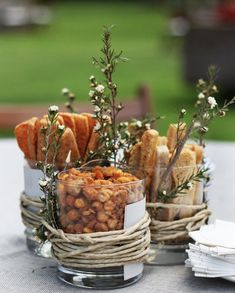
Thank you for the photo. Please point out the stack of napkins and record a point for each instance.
(213, 254)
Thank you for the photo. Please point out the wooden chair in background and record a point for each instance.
(135, 107)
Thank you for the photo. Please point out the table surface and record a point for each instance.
(22, 272)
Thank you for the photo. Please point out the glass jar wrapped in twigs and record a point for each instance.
(104, 234)
(175, 192)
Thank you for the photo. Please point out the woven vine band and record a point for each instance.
(30, 211)
(172, 230)
(101, 249)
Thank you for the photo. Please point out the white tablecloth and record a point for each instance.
(21, 272)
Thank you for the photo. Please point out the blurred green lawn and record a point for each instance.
(36, 65)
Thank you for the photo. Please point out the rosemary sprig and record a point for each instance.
(180, 189)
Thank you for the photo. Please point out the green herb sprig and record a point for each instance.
(103, 97)
(52, 133)
(187, 184)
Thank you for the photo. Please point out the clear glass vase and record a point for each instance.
(32, 194)
(169, 238)
(99, 206)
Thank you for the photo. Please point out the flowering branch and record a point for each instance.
(53, 133)
(70, 100)
(165, 197)
(104, 99)
(207, 106)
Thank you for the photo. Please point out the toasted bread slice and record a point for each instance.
(199, 153)
(162, 140)
(41, 139)
(93, 142)
(32, 138)
(67, 144)
(91, 122)
(82, 132)
(68, 121)
(21, 133)
(148, 156)
(135, 153)
(184, 168)
(162, 161)
(60, 119)
(172, 135)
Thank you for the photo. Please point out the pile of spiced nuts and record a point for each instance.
(94, 200)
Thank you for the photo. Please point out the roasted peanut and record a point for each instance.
(64, 221)
(112, 224)
(88, 212)
(102, 217)
(109, 205)
(78, 228)
(73, 215)
(119, 226)
(72, 188)
(70, 200)
(90, 193)
(87, 219)
(88, 230)
(104, 195)
(97, 205)
(69, 229)
(99, 174)
(80, 203)
(101, 227)
(91, 224)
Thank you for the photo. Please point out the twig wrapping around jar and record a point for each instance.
(30, 211)
(172, 230)
(101, 249)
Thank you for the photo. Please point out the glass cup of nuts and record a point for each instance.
(94, 200)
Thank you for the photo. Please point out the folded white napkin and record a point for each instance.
(221, 233)
(213, 254)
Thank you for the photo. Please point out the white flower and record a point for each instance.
(183, 111)
(97, 109)
(68, 159)
(164, 192)
(201, 96)
(148, 126)
(105, 117)
(42, 182)
(100, 88)
(127, 133)
(197, 124)
(189, 185)
(206, 116)
(91, 77)
(201, 81)
(204, 129)
(53, 108)
(212, 102)
(139, 124)
(97, 127)
(215, 88)
(91, 93)
(65, 91)
(61, 127)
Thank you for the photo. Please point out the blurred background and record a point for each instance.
(47, 45)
